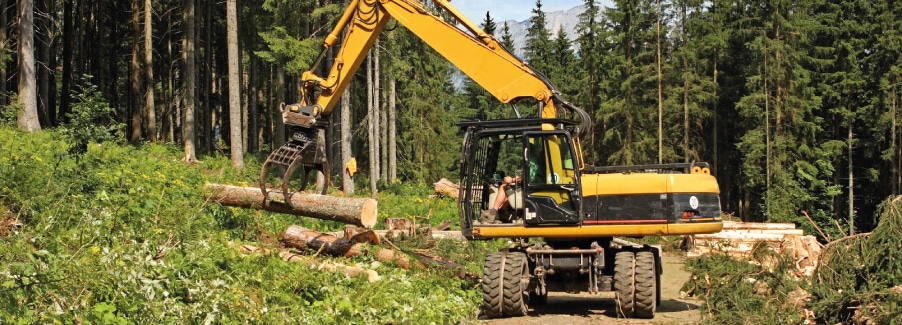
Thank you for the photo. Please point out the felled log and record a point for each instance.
(303, 238)
(350, 271)
(354, 211)
(445, 187)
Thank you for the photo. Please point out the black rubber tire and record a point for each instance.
(516, 298)
(645, 285)
(493, 285)
(624, 283)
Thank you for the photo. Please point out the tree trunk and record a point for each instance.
(278, 137)
(28, 117)
(660, 77)
(354, 211)
(303, 238)
(253, 120)
(392, 133)
(68, 42)
(4, 100)
(135, 75)
(371, 125)
(188, 56)
(46, 112)
(150, 107)
(237, 148)
(377, 113)
(346, 154)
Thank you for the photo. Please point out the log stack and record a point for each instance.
(738, 239)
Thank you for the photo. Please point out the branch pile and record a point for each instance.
(856, 279)
(739, 239)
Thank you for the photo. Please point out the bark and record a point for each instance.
(253, 120)
(347, 180)
(149, 105)
(356, 211)
(237, 149)
(188, 56)
(28, 117)
(278, 137)
(4, 100)
(377, 114)
(392, 133)
(135, 75)
(46, 111)
(303, 238)
(68, 41)
(371, 126)
(208, 66)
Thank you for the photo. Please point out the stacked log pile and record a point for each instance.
(738, 239)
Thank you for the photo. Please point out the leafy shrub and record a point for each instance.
(91, 120)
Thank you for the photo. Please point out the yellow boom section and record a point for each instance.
(469, 48)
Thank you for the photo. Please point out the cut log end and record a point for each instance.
(368, 213)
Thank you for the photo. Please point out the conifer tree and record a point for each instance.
(537, 50)
(779, 144)
(629, 113)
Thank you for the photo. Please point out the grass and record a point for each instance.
(122, 234)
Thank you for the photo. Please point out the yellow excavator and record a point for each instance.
(521, 178)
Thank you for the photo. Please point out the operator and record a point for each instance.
(505, 190)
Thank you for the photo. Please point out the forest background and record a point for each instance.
(794, 103)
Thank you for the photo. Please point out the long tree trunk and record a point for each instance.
(68, 42)
(149, 105)
(253, 120)
(188, 56)
(135, 75)
(392, 133)
(346, 155)
(28, 117)
(4, 100)
(46, 112)
(371, 125)
(237, 149)
(207, 121)
(377, 113)
(851, 185)
(278, 137)
(348, 210)
(660, 76)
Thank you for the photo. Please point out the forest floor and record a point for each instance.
(586, 308)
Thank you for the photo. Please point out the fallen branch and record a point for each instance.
(350, 271)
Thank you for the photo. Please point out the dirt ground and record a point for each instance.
(600, 308)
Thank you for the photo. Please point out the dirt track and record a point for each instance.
(600, 309)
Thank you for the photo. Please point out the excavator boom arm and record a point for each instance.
(473, 51)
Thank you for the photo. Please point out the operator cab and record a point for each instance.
(543, 163)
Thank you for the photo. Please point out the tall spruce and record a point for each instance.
(779, 143)
(591, 38)
(629, 112)
(537, 50)
(693, 91)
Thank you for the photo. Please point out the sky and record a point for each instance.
(501, 10)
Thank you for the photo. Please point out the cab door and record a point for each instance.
(551, 178)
